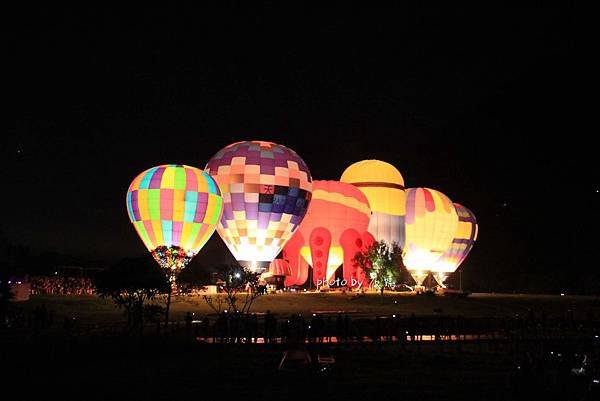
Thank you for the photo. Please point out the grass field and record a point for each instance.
(95, 310)
(104, 364)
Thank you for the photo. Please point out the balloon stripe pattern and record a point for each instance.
(430, 225)
(464, 239)
(174, 206)
(383, 186)
(266, 191)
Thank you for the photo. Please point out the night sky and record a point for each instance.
(483, 105)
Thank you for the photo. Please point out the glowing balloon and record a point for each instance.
(430, 225)
(464, 238)
(280, 267)
(334, 226)
(383, 186)
(266, 191)
(298, 266)
(174, 209)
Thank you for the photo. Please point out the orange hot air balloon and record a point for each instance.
(430, 225)
(331, 233)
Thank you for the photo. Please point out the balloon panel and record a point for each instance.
(174, 206)
(383, 186)
(337, 207)
(381, 182)
(464, 239)
(430, 225)
(266, 190)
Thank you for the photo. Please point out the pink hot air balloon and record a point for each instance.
(332, 232)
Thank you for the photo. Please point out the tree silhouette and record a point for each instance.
(130, 283)
(383, 264)
(240, 286)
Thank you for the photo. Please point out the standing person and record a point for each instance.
(188, 323)
(267, 326)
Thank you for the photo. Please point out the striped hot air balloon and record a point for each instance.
(464, 239)
(430, 226)
(383, 186)
(174, 209)
(266, 191)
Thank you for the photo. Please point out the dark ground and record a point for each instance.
(160, 368)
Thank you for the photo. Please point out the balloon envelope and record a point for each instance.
(383, 186)
(335, 207)
(266, 191)
(464, 239)
(174, 209)
(430, 225)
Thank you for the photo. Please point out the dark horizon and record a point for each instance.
(479, 104)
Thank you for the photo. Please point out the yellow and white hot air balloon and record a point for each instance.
(430, 226)
(383, 186)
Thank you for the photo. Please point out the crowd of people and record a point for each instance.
(237, 327)
(61, 285)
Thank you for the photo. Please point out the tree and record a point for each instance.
(235, 280)
(6, 295)
(130, 283)
(382, 262)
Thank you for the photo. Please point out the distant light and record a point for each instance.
(562, 294)
(18, 282)
(314, 314)
(237, 275)
(596, 380)
(395, 302)
(55, 273)
(9, 282)
(393, 315)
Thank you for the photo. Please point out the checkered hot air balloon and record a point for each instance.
(174, 209)
(266, 191)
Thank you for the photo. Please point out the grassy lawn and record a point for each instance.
(97, 311)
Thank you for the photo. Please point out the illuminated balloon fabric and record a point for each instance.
(298, 266)
(353, 242)
(383, 186)
(430, 225)
(464, 238)
(336, 207)
(280, 267)
(174, 209)
(266, 191)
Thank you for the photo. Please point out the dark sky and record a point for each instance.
(480, 104)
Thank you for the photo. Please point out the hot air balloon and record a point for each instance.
(333, 230)
(266, 191)
(464, 238)
(174, 209)
(430, 225)
(383, 186)
(279, 269)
